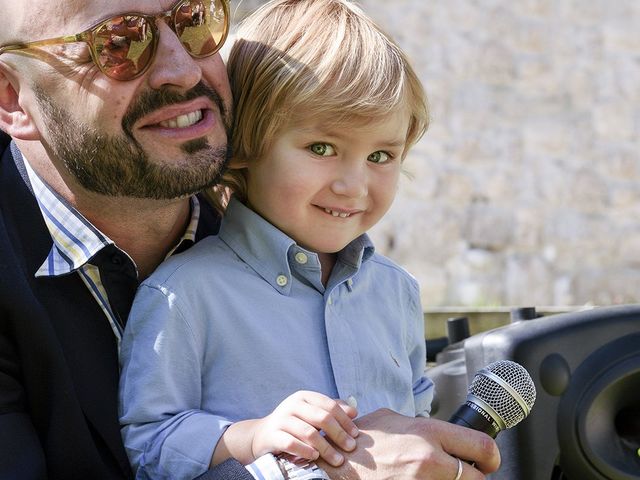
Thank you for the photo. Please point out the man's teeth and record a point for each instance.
(337, 214)
(183, 121)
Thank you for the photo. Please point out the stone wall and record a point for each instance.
(526, 189)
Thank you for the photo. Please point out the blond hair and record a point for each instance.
(324, 59)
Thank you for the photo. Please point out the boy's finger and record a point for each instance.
(349, 409)
(326, 421)
(285, 442)
(339, 410)
(304, 432)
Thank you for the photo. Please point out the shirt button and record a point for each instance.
(282, 280)
(330, 302)
(352, 402)
(350, 282)
(301, 258)
(116, 259)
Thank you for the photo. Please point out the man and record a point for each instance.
(114, 130)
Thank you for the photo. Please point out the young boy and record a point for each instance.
(237, 347)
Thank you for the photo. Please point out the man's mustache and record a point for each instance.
(152, 100)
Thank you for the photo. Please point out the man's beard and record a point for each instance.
(118, 166)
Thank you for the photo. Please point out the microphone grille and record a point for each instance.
(512, 402)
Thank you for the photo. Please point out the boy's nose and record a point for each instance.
(351, 180)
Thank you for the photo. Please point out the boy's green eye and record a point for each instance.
(322, 149)
(379, 157)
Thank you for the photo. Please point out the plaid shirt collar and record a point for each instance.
(75, 239)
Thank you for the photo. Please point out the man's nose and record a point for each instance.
(172, 64)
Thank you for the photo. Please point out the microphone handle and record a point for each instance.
(472, 416)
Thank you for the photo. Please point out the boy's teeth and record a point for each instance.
(336, 214)
(183, 121)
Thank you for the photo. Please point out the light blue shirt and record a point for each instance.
(233, 326)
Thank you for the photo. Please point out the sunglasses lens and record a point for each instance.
(124, 46)
(201, 26)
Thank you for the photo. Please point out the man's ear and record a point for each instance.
(14, 120)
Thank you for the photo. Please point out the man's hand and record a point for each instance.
(393, 446)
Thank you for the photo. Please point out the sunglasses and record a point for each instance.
(123, 47)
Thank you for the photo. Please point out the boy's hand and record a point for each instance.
(293, 427)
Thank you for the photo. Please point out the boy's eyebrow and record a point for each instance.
(394, 143)
(399, 142)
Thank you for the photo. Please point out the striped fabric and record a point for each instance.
(76, 241)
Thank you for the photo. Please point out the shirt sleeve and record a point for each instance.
(165, 431)
(416, 348)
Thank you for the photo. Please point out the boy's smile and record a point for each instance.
(340, 213)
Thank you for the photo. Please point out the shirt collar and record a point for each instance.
(357, 251)
(272, 254)
(189, 234)
(75, 239)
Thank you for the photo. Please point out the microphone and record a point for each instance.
(500, 396)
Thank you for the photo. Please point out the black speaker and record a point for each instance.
(585, 424)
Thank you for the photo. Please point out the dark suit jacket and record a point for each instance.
(58, 358)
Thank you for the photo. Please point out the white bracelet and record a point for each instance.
(301, 470)
(265, 467)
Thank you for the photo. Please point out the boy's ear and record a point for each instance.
(14, 120)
